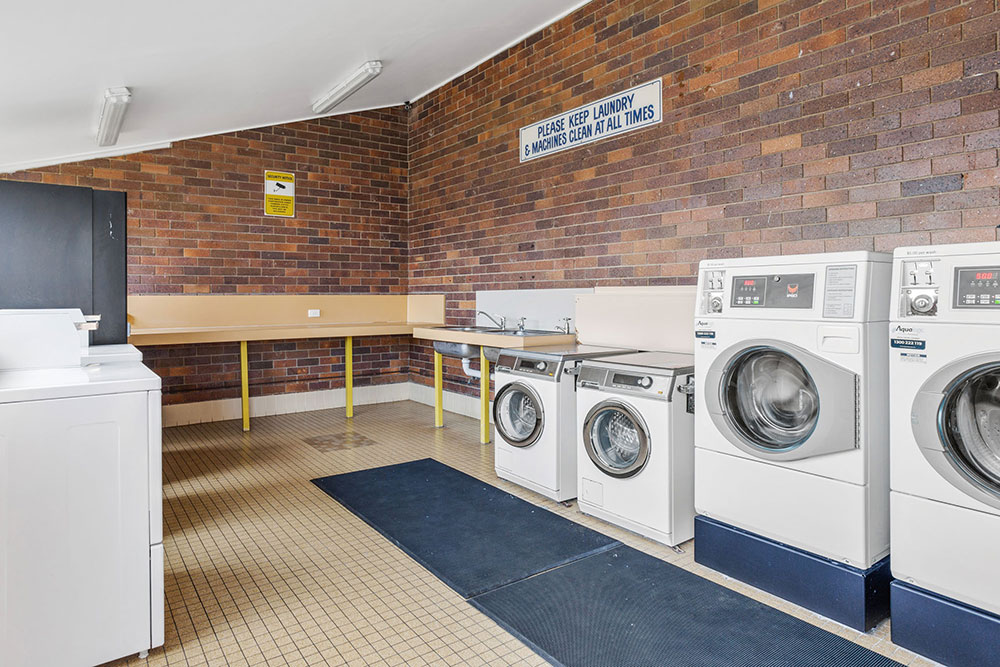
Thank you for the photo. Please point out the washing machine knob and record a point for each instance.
(540, 365)
(923, 303)
(715, 304)
(646, 382)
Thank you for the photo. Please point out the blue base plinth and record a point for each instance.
(857, 598)
(942, 629)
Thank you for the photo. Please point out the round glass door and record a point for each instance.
(616, 439)
(769, 399)
(970, 425)
(517, 413)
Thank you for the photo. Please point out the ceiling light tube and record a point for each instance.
(116, 101)
(365, 73)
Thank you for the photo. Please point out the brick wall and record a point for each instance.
(196, 225)
(789, 127)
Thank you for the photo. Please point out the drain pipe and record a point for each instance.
(469, 370)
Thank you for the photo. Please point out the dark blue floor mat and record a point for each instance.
(623, 607)
(471, 535)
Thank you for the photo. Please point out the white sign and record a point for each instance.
(632, 109)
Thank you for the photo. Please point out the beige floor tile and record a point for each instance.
(263, 568)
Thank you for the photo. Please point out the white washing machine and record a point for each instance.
(81, 534)
(635, 420)
(945, 433)
(534, 412)
(791, 440)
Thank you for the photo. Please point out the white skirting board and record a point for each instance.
(279, 404)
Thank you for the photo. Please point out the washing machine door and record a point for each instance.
(616, 438)
(518, 414)
(956, 423)
(777, 401)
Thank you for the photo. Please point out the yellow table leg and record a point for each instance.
(349, 374)
(484, 397)
(245, 385)
(438, 391)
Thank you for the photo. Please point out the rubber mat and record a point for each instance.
(624, 607)
(473, 536)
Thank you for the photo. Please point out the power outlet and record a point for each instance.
(314, 312)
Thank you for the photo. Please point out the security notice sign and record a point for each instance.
(632, 109)
(279, 194)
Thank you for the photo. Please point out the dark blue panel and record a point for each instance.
(625, 608)
(857, 598)
(943, 629)
(473, 536)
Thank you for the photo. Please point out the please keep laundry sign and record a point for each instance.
(629, 110)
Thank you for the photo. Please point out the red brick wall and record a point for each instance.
(789, 127)
(196, 225)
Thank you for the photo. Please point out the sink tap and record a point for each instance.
(502, 323)
(520, 323)
(564, 327)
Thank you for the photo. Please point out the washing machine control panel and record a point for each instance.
(620, 381)
(540, 367)
(790, 290)
(977, 287)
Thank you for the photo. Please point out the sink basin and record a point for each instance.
(531, 332)
(460, 350)
(473, 329)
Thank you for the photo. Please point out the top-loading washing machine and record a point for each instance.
(534, 413)
(945, 468)
(635, 451)
(791, 436)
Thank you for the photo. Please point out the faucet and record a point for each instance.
(492, 318)
(520, 324)
(565, 325)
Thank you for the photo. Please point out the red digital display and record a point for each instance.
(750, 283)
(985, 276)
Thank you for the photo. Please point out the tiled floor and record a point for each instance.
(265, 569)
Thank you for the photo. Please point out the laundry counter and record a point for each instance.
(189, 319)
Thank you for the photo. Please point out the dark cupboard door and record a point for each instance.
(64, 247)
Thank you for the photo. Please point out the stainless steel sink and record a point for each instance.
(472, 329)
(460, 350)
(466, 351)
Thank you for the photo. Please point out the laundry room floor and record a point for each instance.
(263, 568)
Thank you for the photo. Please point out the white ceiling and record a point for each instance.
(203, 67)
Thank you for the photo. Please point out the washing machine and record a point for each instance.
(635, 451)
(945, 433)
(534, 413)
(791, 435)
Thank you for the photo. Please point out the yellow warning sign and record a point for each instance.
(279, 194)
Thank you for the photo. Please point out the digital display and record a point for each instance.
(977, 287)
(627, 380)
(749, 283)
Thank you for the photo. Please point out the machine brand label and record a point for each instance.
(900, 330)
(704, 334)
(908, 343)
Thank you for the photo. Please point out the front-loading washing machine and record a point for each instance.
(635, 453)
(534, 412)
(945, 432)
(791, 439)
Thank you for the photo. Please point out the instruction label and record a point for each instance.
(839, 291)
(632, 109)
(279, 194)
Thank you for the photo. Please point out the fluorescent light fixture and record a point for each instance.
(116, 101)
(365, 73)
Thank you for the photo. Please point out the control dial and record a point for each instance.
(923, 303)
(540, 365)
(646, 382)
(715, 304)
